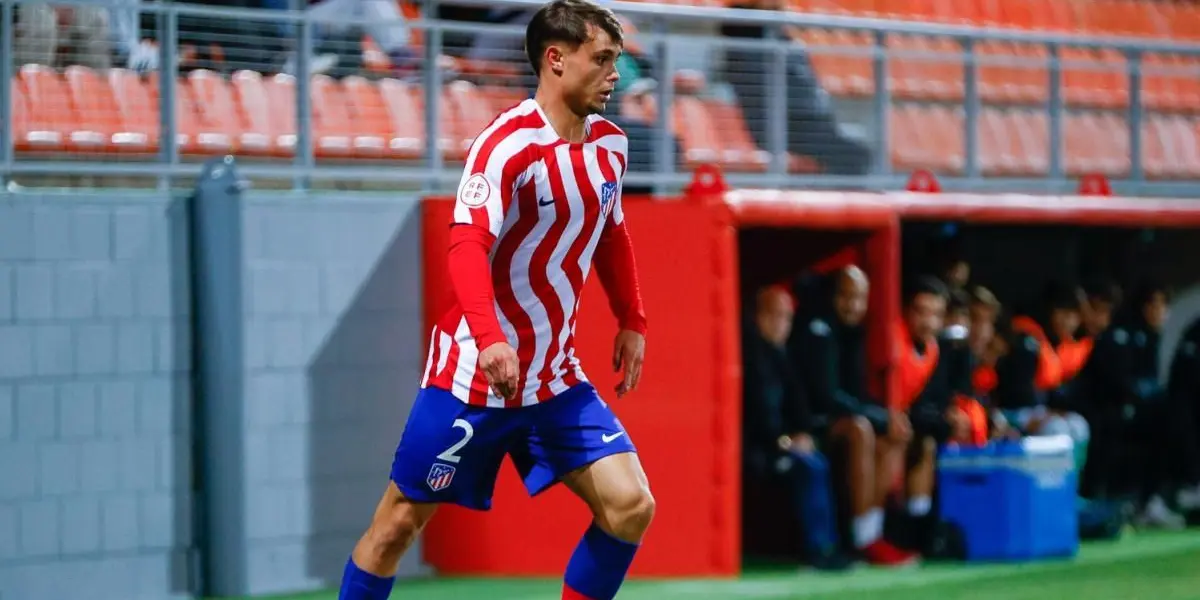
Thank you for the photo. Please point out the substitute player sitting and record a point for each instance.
(538, 205)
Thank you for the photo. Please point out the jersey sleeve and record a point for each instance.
(490, 179)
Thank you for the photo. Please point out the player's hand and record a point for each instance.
(628, 351)
(499, 364)
(899, 428)
(803, 443)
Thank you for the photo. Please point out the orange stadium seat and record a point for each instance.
(365, 106)
(187, 119)
(738, 150)
(51, 118)
(841, 60)
(404, 104)
(470, 109)
(264, 118)
(699, 138)
(333, 127)
(96, 108)
(1032, 130)
(20, 120)
(221, 127)
(136, 110)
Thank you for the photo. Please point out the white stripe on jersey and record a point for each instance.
(468, 356)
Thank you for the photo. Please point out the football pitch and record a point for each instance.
(1157, 566)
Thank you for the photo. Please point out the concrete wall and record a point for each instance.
(97, 413)
(334, 346)
(94, 397)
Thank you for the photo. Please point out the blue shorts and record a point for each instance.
(451, 451)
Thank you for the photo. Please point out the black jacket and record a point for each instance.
(1184, 381)
(1016, 375)
(773, 401)
(1122, 370)
(831, 363)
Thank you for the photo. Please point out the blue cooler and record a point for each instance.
(1013, 500)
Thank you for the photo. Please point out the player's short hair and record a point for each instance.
(981, 296)
(1062, 296)
(566, 21)
(1102, 290)
(925, 284)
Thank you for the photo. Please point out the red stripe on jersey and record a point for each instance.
(583, 182)
(506, 297)
(602, 128)
(539, 278)
(533, 120)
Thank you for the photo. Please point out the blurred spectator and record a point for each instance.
(90, 36)
(955, 350)
(1102, 298)
(830, 357)
(925, 389)
(338, 47)
(811, 125)
(230, 44)
(1146, 448)
(1184, 387)
(1040, 362)
(779, 445)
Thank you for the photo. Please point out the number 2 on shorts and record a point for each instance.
(468, 432)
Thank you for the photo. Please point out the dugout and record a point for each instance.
(697, 255)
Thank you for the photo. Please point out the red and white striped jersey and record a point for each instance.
(547, 202)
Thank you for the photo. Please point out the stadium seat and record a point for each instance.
(262, 116)
(20, 122)
(187, 120)
(999, 144)
(221, 126)
(372, 131)
(334, 130)
(503, 97)
(698, 137)
(470, 110)
(924, 68)
(927, 137)
(136, 110)
(51, 120)
(96, 110)
(1032, 130)
(738, 151)
(841, 60)
(405, 107)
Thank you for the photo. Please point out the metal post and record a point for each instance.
(168, 80)
(433, 97)
(6, 92)
(883, 101)
(1135, 116)
(971, 96)
(305, 159)
(777, 123)
(664, 143)
(1055, 121)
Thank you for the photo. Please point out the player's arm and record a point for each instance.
(484, 195)
(928, 412)
(617, 270)
(819, 367)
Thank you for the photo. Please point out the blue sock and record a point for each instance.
(358, 584)
(599, 564)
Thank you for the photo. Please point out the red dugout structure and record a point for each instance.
(696, 254)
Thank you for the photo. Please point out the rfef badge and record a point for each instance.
(440, 476)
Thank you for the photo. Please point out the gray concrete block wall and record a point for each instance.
(94, 397)
(333, 350)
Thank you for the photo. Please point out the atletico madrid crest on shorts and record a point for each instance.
(440, 477)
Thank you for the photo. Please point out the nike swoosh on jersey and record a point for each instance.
(606, 438)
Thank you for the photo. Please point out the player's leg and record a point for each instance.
(617, 492)
(858, 440)
(371, 570)
(576, 439)
(450, 452)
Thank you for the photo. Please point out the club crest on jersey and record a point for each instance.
(608, 190)
(440, 476)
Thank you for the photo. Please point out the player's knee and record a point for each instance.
(396, 527)
(858, 431)
(631, 512)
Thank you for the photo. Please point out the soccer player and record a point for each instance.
(538, 205)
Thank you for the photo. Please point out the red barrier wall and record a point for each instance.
(685, 417)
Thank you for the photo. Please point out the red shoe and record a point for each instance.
(884, 554)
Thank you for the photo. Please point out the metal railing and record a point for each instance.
(770, 117)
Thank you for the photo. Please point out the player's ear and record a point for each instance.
(555, 59)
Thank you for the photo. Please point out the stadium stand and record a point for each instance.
(378, 114)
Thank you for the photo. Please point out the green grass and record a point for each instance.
(1145, 566)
